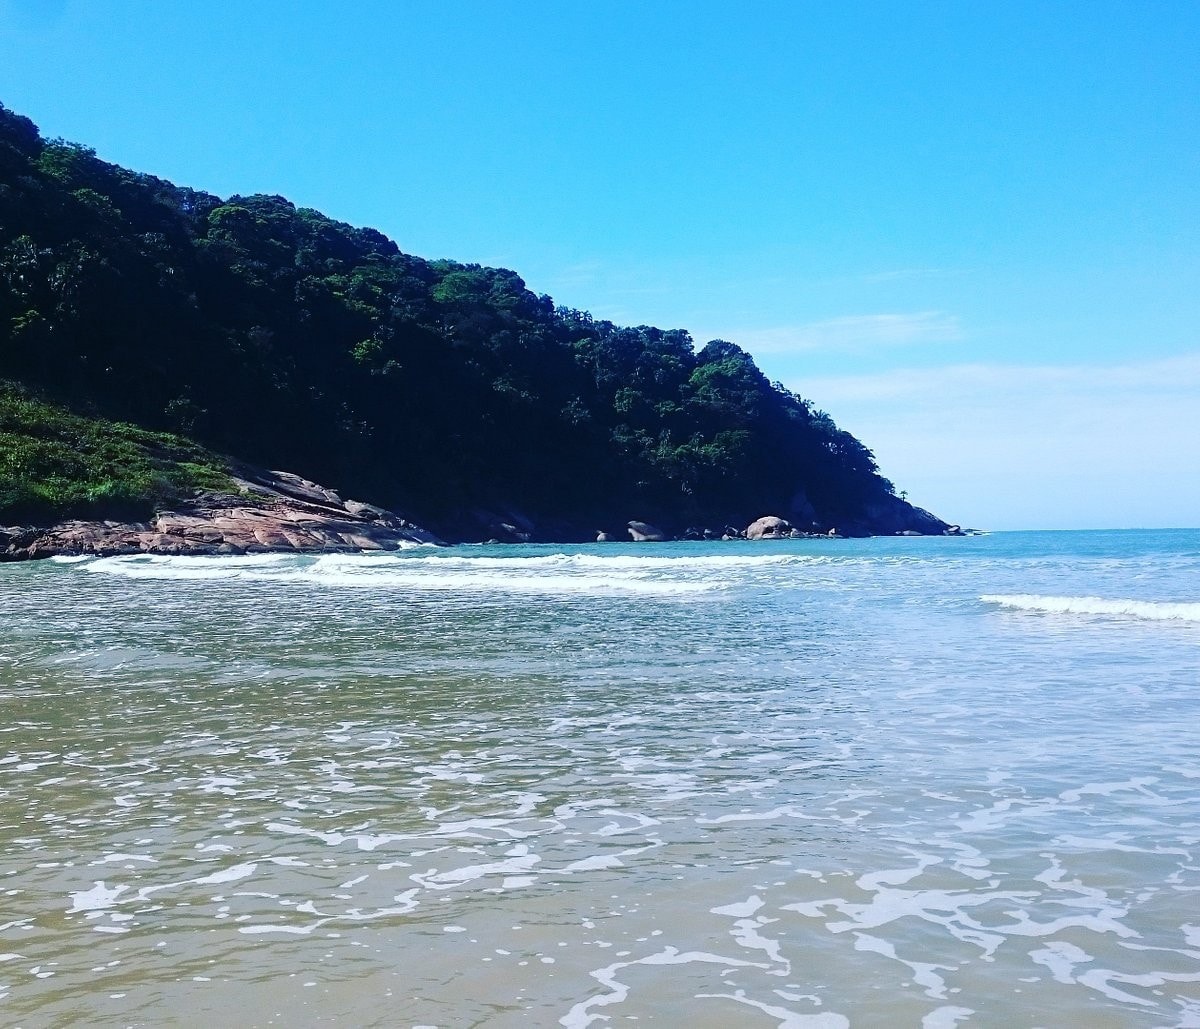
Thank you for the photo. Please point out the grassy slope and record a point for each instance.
(54, 464)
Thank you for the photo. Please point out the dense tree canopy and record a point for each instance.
(278, 335)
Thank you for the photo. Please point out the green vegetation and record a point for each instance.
(55, 464)
(294, 341)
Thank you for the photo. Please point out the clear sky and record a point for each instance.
(969, 231)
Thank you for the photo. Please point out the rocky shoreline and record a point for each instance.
(280, 512)
(275, 512)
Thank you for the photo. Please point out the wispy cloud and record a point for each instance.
(856, 332)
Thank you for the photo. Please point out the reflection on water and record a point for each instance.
(801, 791)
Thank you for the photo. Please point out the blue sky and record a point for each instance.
(968, 231)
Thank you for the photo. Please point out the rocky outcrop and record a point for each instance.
(892, 516)
(644, 532)
(277, 511)
(280, 511)
(500, 524)
(769, 527)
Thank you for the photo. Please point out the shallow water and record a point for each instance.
(810, 783)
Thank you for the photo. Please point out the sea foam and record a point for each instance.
(558, 573)
(1153, 610)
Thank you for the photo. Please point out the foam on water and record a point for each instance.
(842, 790)
(557, 574)
(1151, 610)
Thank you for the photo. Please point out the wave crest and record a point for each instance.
(1153, 610)
(547, 574)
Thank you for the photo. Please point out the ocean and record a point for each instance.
(814, 783)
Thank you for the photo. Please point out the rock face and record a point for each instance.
(769, 527)
(644, 532)
(278, 511)
(893, 516)
(500, 525)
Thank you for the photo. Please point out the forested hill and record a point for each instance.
(281, 337)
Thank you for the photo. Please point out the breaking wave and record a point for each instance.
(556, 573)
(1142, 609)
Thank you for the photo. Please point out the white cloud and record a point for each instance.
(857, 332)
(1051, 446)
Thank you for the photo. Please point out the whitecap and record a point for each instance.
(1153, 610)
(554, 574)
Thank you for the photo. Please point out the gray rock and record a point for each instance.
(768, 527)
(644, 532)
(504, 526)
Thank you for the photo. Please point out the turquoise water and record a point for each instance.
(809, 783)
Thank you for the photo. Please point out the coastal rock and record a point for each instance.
(644, 532)
(278, 511)
(499, 525)
(14, 538)
(892, 516)
(291, 486)
(769, 527)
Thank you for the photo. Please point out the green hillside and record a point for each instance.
(55, 464)
(247, 326)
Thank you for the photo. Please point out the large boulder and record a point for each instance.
(769, 527)
(644, 532)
